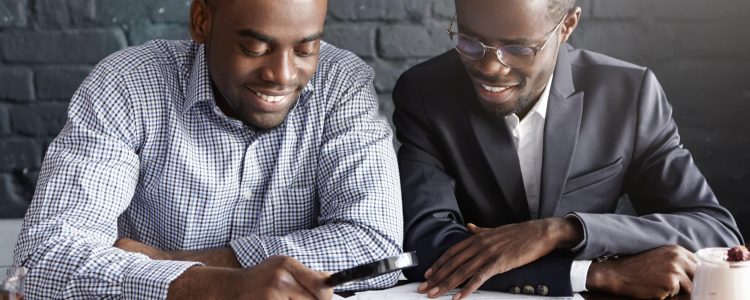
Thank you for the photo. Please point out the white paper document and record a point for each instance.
(409, 292)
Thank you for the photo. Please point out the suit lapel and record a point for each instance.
(561, 129)
(496, 143)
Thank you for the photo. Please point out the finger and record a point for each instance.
(461, 274)
(475, 282)
(450, 267)
(312, 281)
(474, 228)
(686, 284)
(448, 254)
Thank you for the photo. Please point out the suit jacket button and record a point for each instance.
(542, 290)
(528, 290)
(514, 290)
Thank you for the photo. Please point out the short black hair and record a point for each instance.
(558, 8)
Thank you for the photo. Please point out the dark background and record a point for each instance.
(700, 51)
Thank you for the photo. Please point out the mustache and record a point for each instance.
(293, 86)
(494, 79)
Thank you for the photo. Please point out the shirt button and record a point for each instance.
(248, 195)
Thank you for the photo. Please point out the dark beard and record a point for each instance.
(524, 103)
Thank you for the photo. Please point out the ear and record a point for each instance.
(200, 21)
(571, 22)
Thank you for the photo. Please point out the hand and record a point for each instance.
(277, 277)
(218, 257)
(491, 251)
(658, 273)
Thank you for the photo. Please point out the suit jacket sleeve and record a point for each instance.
(433, 221)
(673, 201)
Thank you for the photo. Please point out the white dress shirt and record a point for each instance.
(528, 138)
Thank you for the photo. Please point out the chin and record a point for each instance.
(265, 121)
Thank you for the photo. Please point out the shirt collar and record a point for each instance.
(199, 86)
(539, 108)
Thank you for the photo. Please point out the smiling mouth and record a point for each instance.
(495, 89)
(270, 98)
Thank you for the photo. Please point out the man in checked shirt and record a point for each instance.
(244, 163)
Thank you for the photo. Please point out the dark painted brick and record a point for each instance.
(19, 154)
(671, 9)
(13, 13)
(632, 42)
(171, 11)
(40, 119)
(362, 10)
(443, 9)
(408, 41)
(82, 12)
(66, 47)
(16, 84)
(144, 32)
(108, 12)
(424, 9)
(652, 42)
(358, 39)
(52, 13)
(59, 83)
(13, 199)
(4, 120)
(386, 74)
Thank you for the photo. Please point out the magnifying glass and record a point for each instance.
(373, 269)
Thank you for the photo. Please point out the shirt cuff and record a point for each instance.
(583, 229)
(150, 279)
(249, 250)
(579, 270)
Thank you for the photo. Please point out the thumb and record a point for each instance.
(474, 228)
(313, 281)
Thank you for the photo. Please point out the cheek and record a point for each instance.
(306, 69)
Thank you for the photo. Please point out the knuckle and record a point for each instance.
(463, 270)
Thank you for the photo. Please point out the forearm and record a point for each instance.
(610, 234)
(331, 248)
(201, 283)
(71, 267)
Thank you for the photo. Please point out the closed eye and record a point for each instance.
(252, 53)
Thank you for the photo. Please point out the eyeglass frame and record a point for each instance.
(498, 50)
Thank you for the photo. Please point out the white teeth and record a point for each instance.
(268, 98)
(494, 89)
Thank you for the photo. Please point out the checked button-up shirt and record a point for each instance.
(147, 154)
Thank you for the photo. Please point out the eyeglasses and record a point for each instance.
(512, 56)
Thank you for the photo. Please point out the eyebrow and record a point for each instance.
(271, 40)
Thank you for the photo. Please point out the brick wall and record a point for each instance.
(699, 49)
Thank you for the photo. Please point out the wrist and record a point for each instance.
(568, 232)
(603, 277)
(201, 282)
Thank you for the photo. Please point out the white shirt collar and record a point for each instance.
(539, 108)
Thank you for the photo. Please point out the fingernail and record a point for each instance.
(428, 273)
(433, 291)
(457, 296)
(422, 286)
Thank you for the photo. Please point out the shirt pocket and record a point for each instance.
(593, 178)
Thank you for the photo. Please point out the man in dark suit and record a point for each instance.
(516, 150)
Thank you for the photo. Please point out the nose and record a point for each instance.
(490, 66)
(280, 69)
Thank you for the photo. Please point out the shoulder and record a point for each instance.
(444, 67)
(337, 65)
(157, 53)
(597, 68)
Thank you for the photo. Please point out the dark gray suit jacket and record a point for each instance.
(609, 132)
